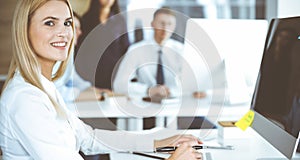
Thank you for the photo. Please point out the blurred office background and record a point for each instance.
(212, 9)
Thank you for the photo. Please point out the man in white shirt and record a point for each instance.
(138, 72)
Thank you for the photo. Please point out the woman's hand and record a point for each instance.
(184, 152)
(177, 140)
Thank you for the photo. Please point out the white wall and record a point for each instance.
(288, 8)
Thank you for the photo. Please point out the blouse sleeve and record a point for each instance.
(95, 141)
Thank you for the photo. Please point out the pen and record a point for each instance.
(171, 148)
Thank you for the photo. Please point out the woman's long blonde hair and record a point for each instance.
(24, 57)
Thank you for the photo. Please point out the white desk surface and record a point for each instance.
(248, 146)
(189, 106)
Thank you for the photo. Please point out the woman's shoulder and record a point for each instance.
(20, 90)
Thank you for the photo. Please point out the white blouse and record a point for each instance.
(30, 129)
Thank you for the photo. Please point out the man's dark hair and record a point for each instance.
(164, 10)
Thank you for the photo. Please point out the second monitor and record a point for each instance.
(223, 54)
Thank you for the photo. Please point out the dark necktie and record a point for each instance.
(160, 74)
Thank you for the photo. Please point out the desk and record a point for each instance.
(250, 146)
(137, 109)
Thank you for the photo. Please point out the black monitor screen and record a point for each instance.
(277, 94)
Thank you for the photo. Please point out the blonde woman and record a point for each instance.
(33, 120)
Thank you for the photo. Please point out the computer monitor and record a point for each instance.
(276, 99)
(239, 45)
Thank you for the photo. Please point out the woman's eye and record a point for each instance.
(49, 23)
(68, 23)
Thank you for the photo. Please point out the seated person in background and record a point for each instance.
(152, 67)
(34, 121)
(71, 86)
(104, 13)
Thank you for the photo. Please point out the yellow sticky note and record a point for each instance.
(246, 121)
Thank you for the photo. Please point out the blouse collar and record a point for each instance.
(47, 84)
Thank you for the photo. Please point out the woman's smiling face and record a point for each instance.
(51, 32)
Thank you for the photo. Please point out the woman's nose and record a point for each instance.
(61, 34)
(63, 31)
